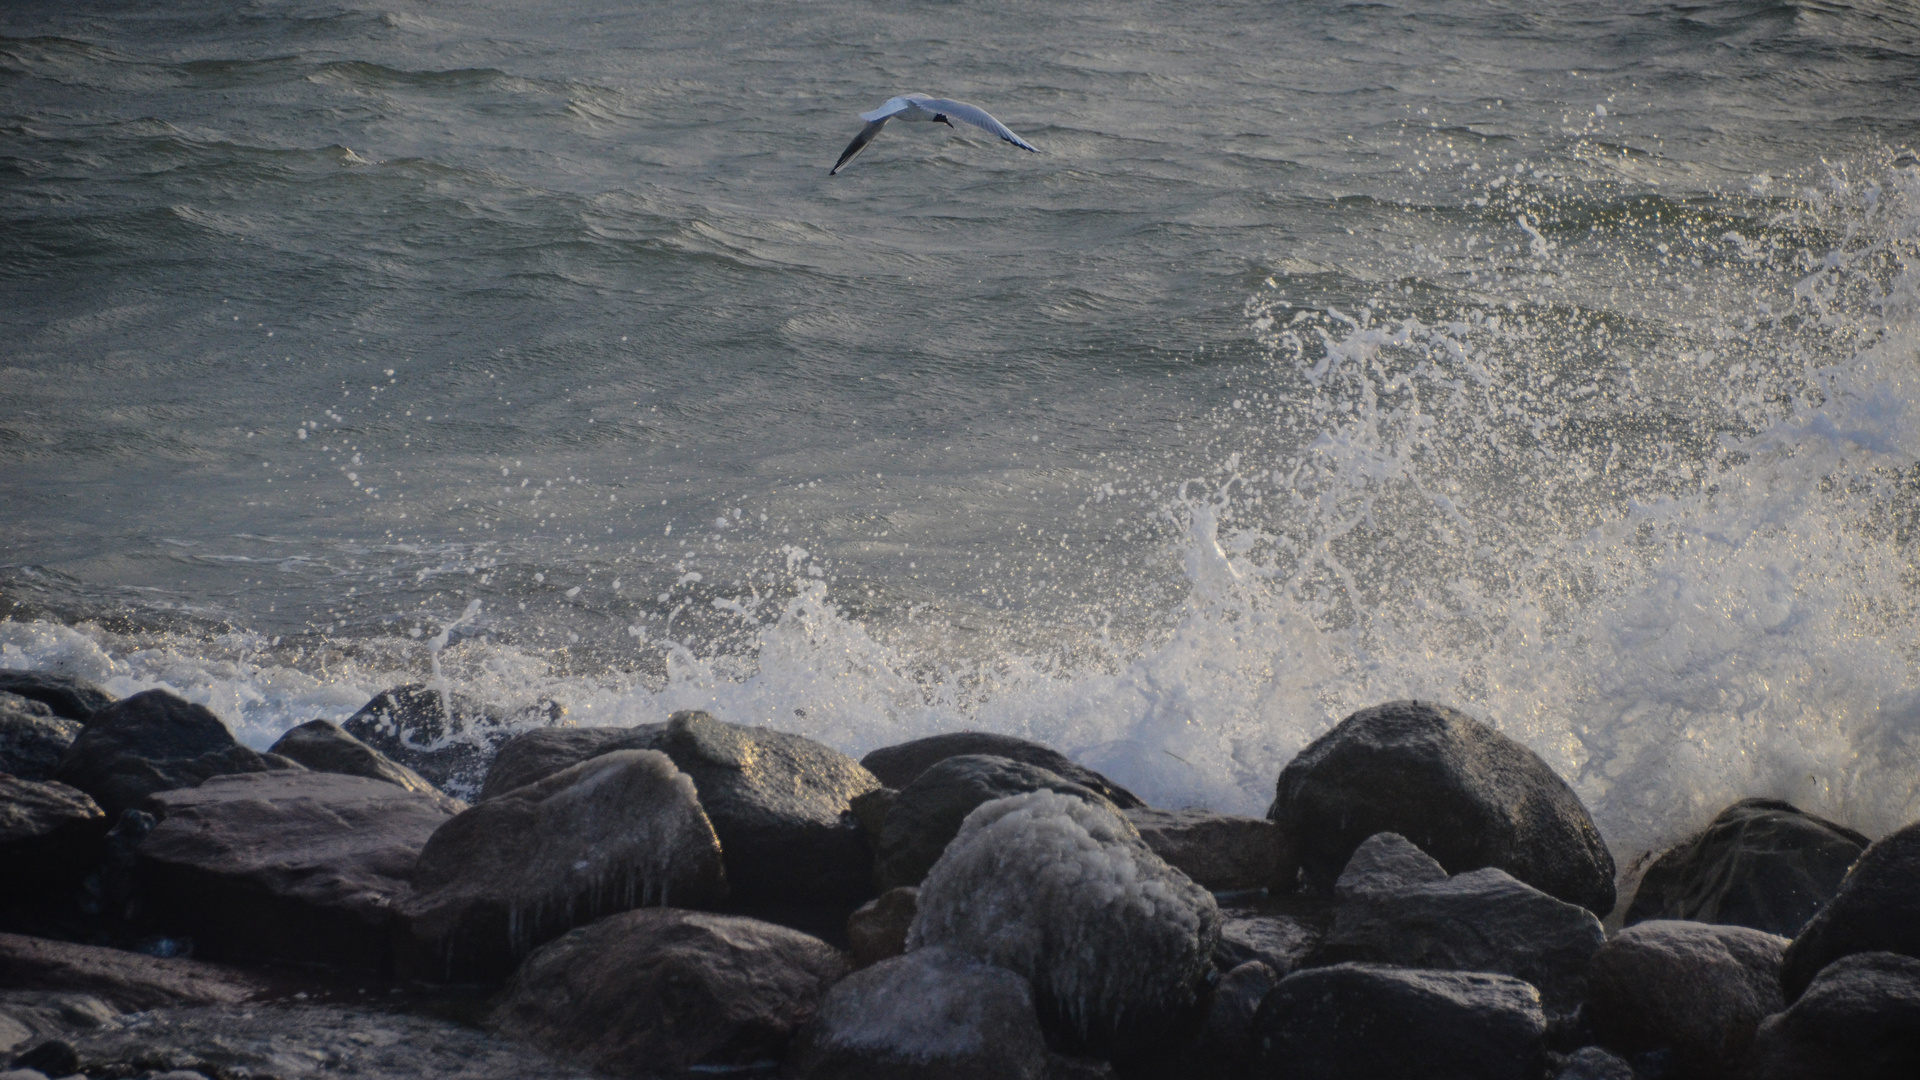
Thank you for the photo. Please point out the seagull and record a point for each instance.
(921, 107)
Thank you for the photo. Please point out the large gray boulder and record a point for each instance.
(932, 1013)
(446, 737)
(1483, 920)
(1220, 852)
(70, 698)
(897, 766)
(1116, 944)
(926, 814)
(154, 741)
(1877, 909)
(665, 991)
(295, 866)
(1464, 793)
(50, 836)
(1858, 1019)
(1697, 990)
(32, 738)
(1761, 863)
(536, 755)
(326, 747)
(615, 832)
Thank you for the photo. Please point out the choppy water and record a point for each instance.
(1555, 360)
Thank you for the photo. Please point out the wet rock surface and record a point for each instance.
(877, 929)
(1383, 864)
(1594, 1063)
(897, 766)
(1464, 793)
(536, 755)
(50, 836)
(68, 697)
(926, 814)
(1877, 909)
(615, 832)
(1859, 1019)
(1761, 863)
(663, 990)
(1697, 990)
(932, 1013)
(325, 747)
(154, 741)
(1116, 944)
(298, 866)
(1226, 1038)
(32, 738)
(1368, 1022)
(1220, 852)
(1282, 942)
(123, 980)
(447, 738)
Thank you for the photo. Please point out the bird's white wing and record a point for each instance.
(975, 115)
(858, 144)
(893, 107)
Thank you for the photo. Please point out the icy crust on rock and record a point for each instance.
(933, 1004)
(1114, 942)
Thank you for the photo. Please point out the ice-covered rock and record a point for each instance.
(878, 928)
(1115, 943)
(1464, 793)
(1697, 990)
(897, 766)
(296, 866)
(1877, 909)
(615, 832)
(926, 814)
(1221, 852)
(69, 698)
(1369, 1022)
(665, 991)
(50, 835)
(154, 741)
(931, 1013)
(326, 747)
(446, 737)
(1761, 863)
(32, 738)
(1859, 1019)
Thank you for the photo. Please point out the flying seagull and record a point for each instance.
(921, 107)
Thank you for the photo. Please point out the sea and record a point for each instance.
(1555, 361)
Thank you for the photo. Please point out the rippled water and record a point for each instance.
(1554, 360)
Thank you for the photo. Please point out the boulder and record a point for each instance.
(32, 738)
(154, 741)
(50, 836)
(927, 813)
(1282, 942)
(536, 755)
(1483, 920)
(1594, 1063)
(1697, 990)
(615, 832)
(1859, 1019)
(897, 766)
(1877, 909)
(446, 737)
(932, 1013)
(51, 1058)
(1116, 944)
(326, 747)
(1366, 1022)
(661, 990)
(1226, 1039)
(1220, 852)
(68, 697)
(1464, 793)
(296, 866)
(877, 930)
(124, 980)
(1762, 863)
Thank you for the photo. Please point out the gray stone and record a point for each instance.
(32, 738)
(1464, 793)
(1386, 863)
(1858, 1019)
(897, 766)
(1282, 942)
(877, 930)
(615, 832)
(1367, 1022)
(661, 990)
(123, 980)
(1221, 852)
(154, 741)
(536, 755)
(1877, 909)
(326, 747)
(446, 737)
(69, 697)
(296, 866)
(50, 835)
(932, 1013)
(1761, 863)
(1226, 1039)
(927, 813)
(1594, 1063)
(1696, 989)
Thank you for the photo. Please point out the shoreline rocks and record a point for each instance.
(1876, 909)
(153, 742)
(1696, 990)
(899, 765)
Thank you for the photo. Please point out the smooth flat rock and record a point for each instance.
(1116, 944)
(124, 980)
(536, 755)
(1220, 852)
(446, 737)
(615, 832)
(298, 866)
(326, 747)
(926, 814)
(32, 738)
(897, 766)
(50, 836)
(1367, 1022)
(1459, 790)
(1698, 990)
(1876, 909)
(1859, 1019)
(154, 741)
(1761, 863)
(931, 1013)
(1282, 942)
(662, 990)
(69, 697)
(877, 930)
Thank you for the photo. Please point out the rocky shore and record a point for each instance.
(439, 888)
